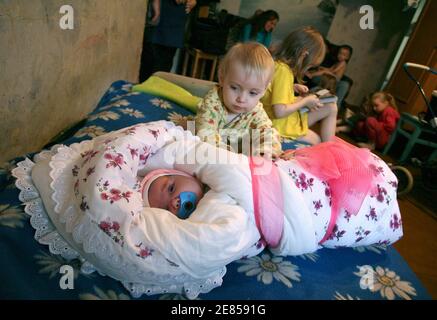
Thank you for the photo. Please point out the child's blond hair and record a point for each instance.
(385, 96)
(253, 57)
(301, 49)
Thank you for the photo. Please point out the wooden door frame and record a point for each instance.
(410, 100)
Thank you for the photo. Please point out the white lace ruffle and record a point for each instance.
(45, 231)
(190, 289)
(88, 239)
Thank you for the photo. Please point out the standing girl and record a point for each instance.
(301, 49)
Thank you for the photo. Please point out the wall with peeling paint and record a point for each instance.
(52, 78)
(374, 49)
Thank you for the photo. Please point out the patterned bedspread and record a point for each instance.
(30, 271)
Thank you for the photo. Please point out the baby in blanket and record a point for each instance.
(341, 195)
(108, 202)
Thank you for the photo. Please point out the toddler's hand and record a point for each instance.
(287, 155)
(300, 88)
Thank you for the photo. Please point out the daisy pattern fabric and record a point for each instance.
(100, 213)
(29, 265)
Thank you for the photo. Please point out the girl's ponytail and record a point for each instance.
(391, 100)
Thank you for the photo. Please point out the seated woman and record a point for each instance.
(260, 27)
(97, 194)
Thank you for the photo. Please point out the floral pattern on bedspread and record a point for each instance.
(30, 271)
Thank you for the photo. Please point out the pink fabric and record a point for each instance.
(153, 175)
(346, 169)
(268, 200)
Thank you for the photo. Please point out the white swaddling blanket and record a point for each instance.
(93, 199)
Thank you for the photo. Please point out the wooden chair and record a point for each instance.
(199, 58)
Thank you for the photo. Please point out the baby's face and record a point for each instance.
(241, 92)
(164, 191)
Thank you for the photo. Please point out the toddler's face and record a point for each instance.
(379, 105)
(241, 92)
(164, 191)
(343, 54)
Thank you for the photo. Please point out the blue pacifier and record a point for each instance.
(187, 204)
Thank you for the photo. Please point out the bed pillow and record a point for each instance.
(168, 90)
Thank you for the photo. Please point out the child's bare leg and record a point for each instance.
(327, 114)
(343, 129)
(311, 137)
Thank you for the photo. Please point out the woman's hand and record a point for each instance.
(155, 20)
(189, 5)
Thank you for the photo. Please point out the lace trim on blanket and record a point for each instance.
(85, 232)
(190, 289)
(94, 241)
(45, 231)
